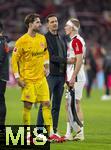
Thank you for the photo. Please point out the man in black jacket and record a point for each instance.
(4, 76)
(91, 67)
(107, 74)
(57, 70)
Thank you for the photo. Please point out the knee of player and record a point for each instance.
(77, 105)
(46, 104)
(27, 105)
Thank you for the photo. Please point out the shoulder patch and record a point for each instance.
(15, 49)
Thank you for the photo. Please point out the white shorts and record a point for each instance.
(78, 86)
(79, 90)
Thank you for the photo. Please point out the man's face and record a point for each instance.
(53, 24)
(35, 26)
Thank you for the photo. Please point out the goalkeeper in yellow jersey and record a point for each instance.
(28, 68)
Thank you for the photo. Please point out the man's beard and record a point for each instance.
(35, 30)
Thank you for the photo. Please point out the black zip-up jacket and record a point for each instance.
(57, 63)
(4, 59)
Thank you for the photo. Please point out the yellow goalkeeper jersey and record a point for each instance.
(29, 56)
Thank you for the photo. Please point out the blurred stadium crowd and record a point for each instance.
(94, 15)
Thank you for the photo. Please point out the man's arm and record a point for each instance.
(57, 59)
(76, 70)
(54, 58)
(16, 55)
(78, 50)
(2, 53)
(46, 62)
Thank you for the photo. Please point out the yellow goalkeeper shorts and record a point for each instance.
(36, 91)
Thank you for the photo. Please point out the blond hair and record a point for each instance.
(75, 22)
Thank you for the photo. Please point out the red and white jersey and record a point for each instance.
(76, 46)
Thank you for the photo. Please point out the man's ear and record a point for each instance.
(30, 24)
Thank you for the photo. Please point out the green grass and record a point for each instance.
(97, 117)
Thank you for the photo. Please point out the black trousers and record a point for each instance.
(56, 87)
(2, 102)
(91, 75)
(106, 74)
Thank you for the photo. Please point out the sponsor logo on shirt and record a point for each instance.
(37, 53)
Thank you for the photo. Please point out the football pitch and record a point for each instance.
(97, 116)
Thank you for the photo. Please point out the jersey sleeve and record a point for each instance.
(16, 55)
(46, 53)
(77, 46)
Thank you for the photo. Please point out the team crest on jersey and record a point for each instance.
(15, 49)
(42, 45)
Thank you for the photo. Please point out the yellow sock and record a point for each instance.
(47, 118)
(26, 116)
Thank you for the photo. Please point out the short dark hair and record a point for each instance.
(1, 27)
(30, 18)
(49, 16)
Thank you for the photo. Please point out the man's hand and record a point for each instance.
(72, 81)
(20, 83)
(46, 69)
(71, 60)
